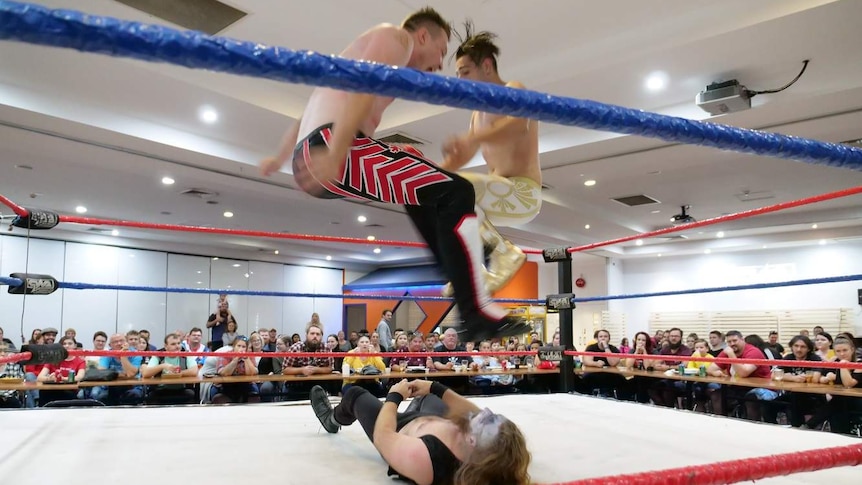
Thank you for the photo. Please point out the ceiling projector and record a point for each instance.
(683, 217)
(723, 98)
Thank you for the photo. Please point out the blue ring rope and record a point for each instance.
(716, 289)
(66, 28)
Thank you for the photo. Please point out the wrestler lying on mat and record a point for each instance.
(440, 439)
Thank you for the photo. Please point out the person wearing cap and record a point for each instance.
(49, 334)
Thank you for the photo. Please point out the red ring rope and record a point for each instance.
(742, 470)
(311, 237)
(729, 217)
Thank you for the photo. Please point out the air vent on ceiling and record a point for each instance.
(399, 137)
(636, 200)
(208, 16)
(199, 193)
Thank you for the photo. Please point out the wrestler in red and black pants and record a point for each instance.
(441, 206)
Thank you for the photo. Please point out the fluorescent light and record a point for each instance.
(586, 226)
(115, 233)
(80, 209)
(656, 81)
(236, 265)
(371, 238)
(639, 242)
(329, 258)
(228, 214)
(361, 219)
(589, 183)
(719, 234)
(168, 181)
(654, 212)
(813, 226)
(376, 250)
(208, 115)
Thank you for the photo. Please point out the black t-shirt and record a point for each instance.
(447, 359)
(855, 373)
(776, 348)
(219, 330)
(595, 348)
(801, 370)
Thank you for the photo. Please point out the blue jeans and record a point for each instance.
(30, 396)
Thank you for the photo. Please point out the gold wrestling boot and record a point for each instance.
(506, 258)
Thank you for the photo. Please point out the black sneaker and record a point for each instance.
(507, 327)
(323, 409)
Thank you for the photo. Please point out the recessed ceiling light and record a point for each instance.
(200, 282)
(168, 181)
(376, 250)
(115, 233)
(80, 209)
(246, 275)
(719, 234)
(199, 272)
(208, 115)
(215, 258)
(658, 255)
(329, 258)
(361, 219)
(822, 242)
(813, 226)
(656, 81)
(586, 226)
(236, 265)
(589, 183)
(655, 212)
(764, 246)
(275, 252)
(228, 214)
(639, 242)
(707, 251)
(371, 238)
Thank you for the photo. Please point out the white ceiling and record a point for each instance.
(102, 132)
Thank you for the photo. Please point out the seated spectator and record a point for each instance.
(9, 399)
(236, 392)
(295, 339)
(360, 364)
(307, 366)
(158, 367)
(599, 382)
(143, 345)
(127, 368)
(823, 344)
(230, 334)
(487, 383)
(273, 366)
(9, 344)
(195, 344)
(773, 344)
(210, 369)
(255, 344)
(45, 337)
(736, 348)
(343, 345)
(415, 344)
(145, 334)
(802, 404)
(839, 409)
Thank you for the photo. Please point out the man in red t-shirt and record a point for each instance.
(736, 348)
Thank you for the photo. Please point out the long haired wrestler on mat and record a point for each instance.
(440, 439)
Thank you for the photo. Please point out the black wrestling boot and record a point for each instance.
(323, 409)
(478, 331)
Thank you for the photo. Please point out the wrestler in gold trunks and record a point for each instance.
(510, 194)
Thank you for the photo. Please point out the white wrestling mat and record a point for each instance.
(570, 437)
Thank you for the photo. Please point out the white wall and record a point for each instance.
(739, 268)
(88, 311)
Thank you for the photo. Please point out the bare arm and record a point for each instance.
(405, 454)
(129, 369)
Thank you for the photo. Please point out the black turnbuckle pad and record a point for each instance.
(34, 284)
(552, 255)
(44, 354)
(37, 219)
(563, 301)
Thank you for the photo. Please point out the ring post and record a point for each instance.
(564, 304)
